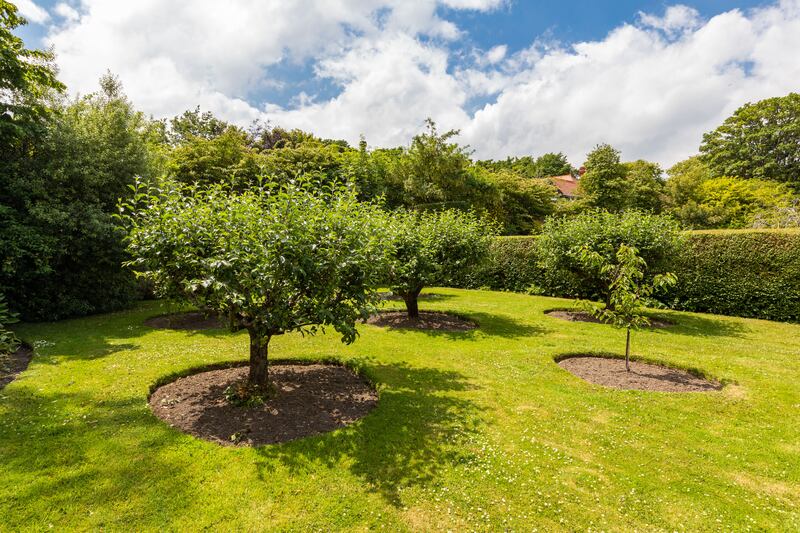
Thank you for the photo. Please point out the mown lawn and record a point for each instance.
(478, 430)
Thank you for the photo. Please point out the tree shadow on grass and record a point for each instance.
(65, 460)
(699, 326)
(420, 426)
(488, 324)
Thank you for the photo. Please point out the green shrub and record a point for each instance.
(743, 273)
(8, 340)
(749, 273)
(657, 238)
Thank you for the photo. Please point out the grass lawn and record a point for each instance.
(475, 430)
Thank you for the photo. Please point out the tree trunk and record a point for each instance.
(628, 351)
(259, 370)
(411, 299)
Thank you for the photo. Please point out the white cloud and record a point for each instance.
(676, 18)
(32, 11)
(651, 89)
(67, 12)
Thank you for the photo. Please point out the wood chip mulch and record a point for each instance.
(610, 372)
(310, 399)
(427, 320)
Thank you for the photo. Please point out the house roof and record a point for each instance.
(567, 185)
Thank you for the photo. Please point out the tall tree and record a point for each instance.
(27, 79)
(62, 252)
(603, 185)
(760, 140)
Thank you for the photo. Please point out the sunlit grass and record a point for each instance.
(476, 430)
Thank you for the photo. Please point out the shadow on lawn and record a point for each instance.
(420, 426)
(488, 324)
(65, 460)
(700, 326)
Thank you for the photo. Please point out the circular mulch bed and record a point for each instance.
(610, 372)
(187, 320)
(310, 399)
(14, 363)
(583, 316)
(427, 320)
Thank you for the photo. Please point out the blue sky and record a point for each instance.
(515, 77)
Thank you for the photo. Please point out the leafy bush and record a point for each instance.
(657, 238)
(750, 273)
(273, 259)
(430, 248)
(744, 273)
(8, 341)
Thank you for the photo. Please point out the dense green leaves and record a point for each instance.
(430, 248)
(271, 259)
(564, 240)
(27, 81)
(62, 253)
(760, 140)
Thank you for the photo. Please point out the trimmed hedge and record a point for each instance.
(741, 273)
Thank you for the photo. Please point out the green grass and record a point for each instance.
(478, 430)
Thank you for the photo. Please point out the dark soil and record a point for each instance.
(426, 320)
(12, 364)
(310, 399)
(583, 316)
(424, 296)
(610, 372)
(186, 321)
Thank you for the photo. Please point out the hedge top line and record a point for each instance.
(789, 231)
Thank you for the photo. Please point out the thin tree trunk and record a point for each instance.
(411, 299)
(628, 351)
(259, 369)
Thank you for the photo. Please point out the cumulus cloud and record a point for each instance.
(32, 11)
(651, 88)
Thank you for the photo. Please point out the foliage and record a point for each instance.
(8, 340)
(615, 186)
(760, 140)
(748, 273)
(603, 185)
(627, 290)
(521, 204)
(563, 241)
(432, 247)
(736, 203)
(193, 124)
(27, 81)
(225, 157)
(62, 252)
(273, 259)
(645, 187)
(743, 273)
(545, 166)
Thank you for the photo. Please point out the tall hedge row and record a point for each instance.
(741, 273)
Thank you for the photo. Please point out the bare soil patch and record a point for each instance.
(190, 320)
(310, 399)
(427, 320)
(610, 372)
(583, 316)
(13, 364)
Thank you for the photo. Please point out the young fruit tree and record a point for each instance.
(272, 259)
(429, 248)
(625, 279)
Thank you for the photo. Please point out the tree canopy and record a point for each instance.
(273, 259)
(760, 140)
(430, 247)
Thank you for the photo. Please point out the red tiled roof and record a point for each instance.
(567, 185)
